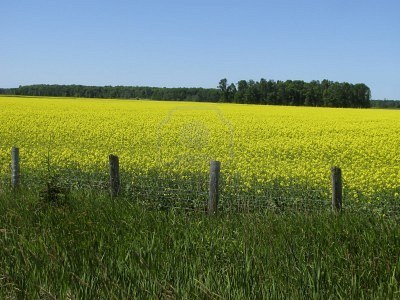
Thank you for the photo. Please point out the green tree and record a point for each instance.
(223, 87)
(241, 91)
(231, 91)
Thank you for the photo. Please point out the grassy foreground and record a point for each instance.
(95, 247)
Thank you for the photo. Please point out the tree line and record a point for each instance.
(116, 92)
(290, 92)
(296, 92)
(385, 103)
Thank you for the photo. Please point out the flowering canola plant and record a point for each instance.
(261, 143)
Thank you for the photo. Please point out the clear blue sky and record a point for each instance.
(196, 43)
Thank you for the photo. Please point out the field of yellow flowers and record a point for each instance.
(260, 143)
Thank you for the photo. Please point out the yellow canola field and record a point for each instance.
(262, 143)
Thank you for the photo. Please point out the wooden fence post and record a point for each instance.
(215, 167)
(15, 168)
(114, 175)
(337, 189)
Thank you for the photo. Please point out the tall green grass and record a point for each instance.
(92, 247)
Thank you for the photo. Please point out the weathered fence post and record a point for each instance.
(337, 189)
(15, 168)
(215, 167)
(114, 175)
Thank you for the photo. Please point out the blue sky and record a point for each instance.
(196, 43)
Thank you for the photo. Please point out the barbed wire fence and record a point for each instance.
(204, 191)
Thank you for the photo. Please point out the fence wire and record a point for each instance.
(190, 192)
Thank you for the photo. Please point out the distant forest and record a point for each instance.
(385, 103)
(291, 92)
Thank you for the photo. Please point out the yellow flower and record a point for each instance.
(262, 144)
